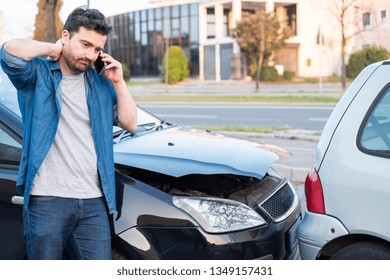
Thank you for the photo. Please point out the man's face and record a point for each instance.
(80, 50)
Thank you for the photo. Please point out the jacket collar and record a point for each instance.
(55, 65)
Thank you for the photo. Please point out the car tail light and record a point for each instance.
(314, 194)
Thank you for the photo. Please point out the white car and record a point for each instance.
(348, 190)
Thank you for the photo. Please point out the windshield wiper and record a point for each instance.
(147, 126)
(154, 126)
(120, 134)
(161, 125)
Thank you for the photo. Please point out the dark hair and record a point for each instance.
(91, 19)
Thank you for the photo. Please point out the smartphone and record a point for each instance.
(99, 64)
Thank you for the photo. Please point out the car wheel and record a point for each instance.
(118, 255)
(364, 250)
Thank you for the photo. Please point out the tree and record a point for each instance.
(177, 65)
(345, 11)
(260, 35)
(48, 25)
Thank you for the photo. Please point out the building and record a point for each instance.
(141, 38)
(375, 23)
(203, 28)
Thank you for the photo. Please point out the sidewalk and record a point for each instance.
(232, 87)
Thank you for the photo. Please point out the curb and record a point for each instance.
(293, 134)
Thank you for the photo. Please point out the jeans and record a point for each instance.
(82, 225)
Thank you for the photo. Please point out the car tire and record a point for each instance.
(118, 255)
(363, 250)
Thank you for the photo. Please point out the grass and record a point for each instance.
(253, 129)
(330, 79)
(233, 99)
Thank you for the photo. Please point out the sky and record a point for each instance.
(19, 15)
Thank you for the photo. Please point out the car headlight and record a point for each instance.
(216, 215)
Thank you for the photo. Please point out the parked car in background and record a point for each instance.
(182, 193)
(348, 190)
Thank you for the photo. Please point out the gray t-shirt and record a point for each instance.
(70, 167)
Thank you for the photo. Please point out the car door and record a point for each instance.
(12, 245)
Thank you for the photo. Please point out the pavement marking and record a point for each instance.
(187, 116)
(318, 119)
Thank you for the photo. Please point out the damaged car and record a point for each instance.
(182, 193)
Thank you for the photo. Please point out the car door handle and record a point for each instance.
(17, 200)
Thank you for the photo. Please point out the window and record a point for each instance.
(10, 149)
(366, 46)
(383, 17)
(366, 20)
(292, 18)
(225, 22)
(375, 132)
(210, 23)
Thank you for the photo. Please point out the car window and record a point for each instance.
(145, 117)
(375, 132)
(10, 148)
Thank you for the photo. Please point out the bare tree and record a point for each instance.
(349, 16)
(48, 25)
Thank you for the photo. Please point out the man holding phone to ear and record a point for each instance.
(67, 169)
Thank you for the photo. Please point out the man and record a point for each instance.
(67, 171)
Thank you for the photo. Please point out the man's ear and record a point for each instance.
(65, 36)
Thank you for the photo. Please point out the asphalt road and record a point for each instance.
(297, 117)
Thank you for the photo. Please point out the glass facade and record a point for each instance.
(140, 38)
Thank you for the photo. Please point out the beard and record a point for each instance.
(75, 64)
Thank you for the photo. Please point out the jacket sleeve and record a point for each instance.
(20, 72)
(114, 103)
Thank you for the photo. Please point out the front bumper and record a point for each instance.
(315, 231)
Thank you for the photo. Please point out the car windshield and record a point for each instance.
(8, 97)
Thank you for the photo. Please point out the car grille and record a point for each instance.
(281, 203)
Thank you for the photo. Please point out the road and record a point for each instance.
(297, 117)
(302, 150)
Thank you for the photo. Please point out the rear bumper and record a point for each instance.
(315, 231)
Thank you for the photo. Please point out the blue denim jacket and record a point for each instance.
(40, 97)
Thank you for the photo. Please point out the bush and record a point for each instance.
(362, 58)
(269, 74)
(126, 72)
(177, 65)
(288, 75)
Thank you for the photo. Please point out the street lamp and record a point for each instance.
(320, 43)
(167, 61)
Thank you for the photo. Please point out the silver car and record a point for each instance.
(348, 190)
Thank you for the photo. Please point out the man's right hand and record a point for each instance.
(57, 51)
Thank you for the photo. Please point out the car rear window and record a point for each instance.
(374, 134)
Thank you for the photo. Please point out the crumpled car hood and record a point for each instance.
(180, 151)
